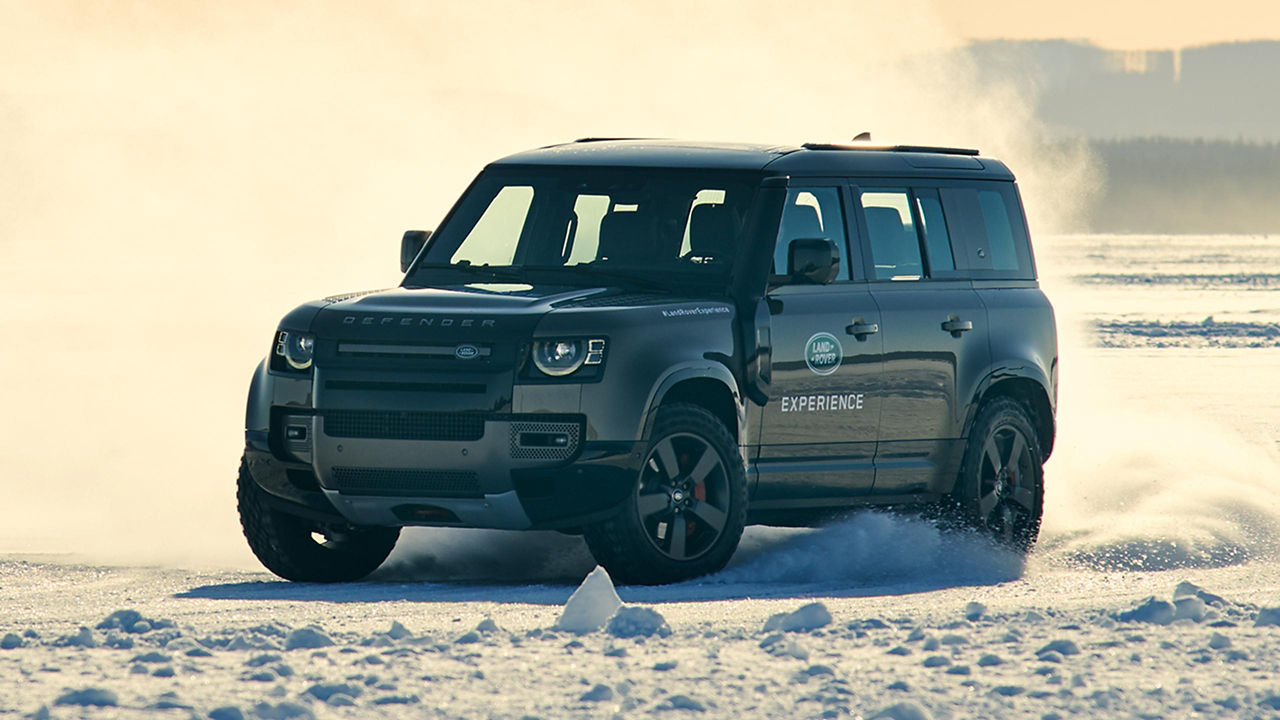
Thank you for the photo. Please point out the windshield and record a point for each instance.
(653, 227)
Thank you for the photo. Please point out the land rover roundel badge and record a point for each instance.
(823, 353)
(466, 352)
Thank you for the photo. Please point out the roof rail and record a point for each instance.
(606, 139)
(890, 148)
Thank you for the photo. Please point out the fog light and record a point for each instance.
(544, 440)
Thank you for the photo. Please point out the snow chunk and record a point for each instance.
(10, 641)
(808, 618)
(226, 712)
(1218, 641)
(1188, 608)
(283, 711)
(591, 605)
(682, 702)
(599, 693)
(1268, 617)
(974, 610)
(83, 639)
(96, 697)
(398, 631)
(1150, 610)
(1062, 647)
(324, 691)
(307, 638)
(902, 711)
(487, 626)
(630, 622)
(132, 621)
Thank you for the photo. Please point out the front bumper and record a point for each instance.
(464, 470)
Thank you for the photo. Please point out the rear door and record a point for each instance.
(935, 334)
(818, 430)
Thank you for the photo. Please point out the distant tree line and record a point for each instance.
(1165, 185)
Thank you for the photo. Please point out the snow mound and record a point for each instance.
(96, 697)
(307, 638)
(1150, 610)
(630, 622)
(1268, 617)
(591, 605)
(806, 619)
(902, 711)
(132, 621)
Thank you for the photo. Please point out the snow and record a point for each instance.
(591, 605)
(1154, 591)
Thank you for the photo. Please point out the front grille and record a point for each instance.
(405, 482)
(402, 425)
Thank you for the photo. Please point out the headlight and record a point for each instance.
(297, 349)
(558, 358)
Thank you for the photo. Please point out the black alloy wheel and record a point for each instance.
(1000, 491)
(689, 506)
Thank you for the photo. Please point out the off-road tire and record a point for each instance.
(1000, 490)
(650, 544)
(287, 545)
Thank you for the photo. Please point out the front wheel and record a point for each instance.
(687, 510)
(1000, 491)
(305, 551)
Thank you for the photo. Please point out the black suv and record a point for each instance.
(654, 343)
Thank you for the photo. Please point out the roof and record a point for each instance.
(809, 159)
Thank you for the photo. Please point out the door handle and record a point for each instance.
(861, 329)
(955, 325)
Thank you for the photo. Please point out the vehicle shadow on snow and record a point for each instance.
(867, 554)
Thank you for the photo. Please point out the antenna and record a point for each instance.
(862, 137)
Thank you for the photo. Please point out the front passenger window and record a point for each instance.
(811, 213)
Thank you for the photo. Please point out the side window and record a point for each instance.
(811, 213)
(494, 237)
(937, 240)
(987, 231)
(895, 247)
(995, 216)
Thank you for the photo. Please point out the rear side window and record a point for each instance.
(891, 230)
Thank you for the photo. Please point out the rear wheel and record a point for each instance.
(303, 550)
(685, 515)
(1000, 491)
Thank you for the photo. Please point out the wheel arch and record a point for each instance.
(1031, 391)
(709, 387)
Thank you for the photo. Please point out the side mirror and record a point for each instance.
(410, 245)
(813, 260)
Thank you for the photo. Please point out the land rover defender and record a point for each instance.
(655, 343)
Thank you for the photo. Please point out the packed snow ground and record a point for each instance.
(1151, 594)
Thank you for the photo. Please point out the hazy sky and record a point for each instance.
(1116, 24)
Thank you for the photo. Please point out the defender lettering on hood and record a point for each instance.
(417, 321)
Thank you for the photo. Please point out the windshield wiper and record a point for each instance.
(595, 271)
(507, 273)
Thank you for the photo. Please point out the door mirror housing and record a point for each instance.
(410, 245)
(813, 260)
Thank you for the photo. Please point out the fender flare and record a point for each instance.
(692, 371)
(1004, 373)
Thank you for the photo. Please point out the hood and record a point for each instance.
(477, 310)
